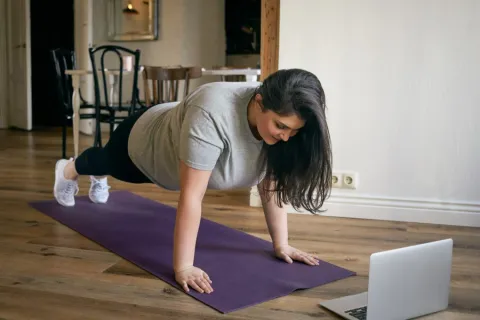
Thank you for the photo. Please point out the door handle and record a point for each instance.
(20, 46)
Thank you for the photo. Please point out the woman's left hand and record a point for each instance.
(289, 254)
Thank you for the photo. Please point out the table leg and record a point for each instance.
(114, 94)
(76, 112)
(112, 81)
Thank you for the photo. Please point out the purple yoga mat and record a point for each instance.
(243, 268)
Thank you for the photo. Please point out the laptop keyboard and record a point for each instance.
(359, 313)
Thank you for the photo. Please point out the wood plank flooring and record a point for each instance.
(48, 271)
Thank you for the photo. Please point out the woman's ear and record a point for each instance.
(258, 100)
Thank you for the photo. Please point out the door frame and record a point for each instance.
(270, 29)
(83, 35)
(28, 63)
(4, 82)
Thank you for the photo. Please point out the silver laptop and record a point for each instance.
(403, 283)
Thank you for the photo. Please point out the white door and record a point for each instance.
(19, 64)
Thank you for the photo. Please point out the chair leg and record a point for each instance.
(112, 122)
(97, 141)
(98, 135)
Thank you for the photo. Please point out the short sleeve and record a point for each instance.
(200, 141)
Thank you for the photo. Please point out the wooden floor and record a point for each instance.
(48, 271)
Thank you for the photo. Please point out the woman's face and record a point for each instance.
(273, 127)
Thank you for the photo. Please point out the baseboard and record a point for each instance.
(394, 209)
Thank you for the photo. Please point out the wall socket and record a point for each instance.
(345, 180)
(337, 180)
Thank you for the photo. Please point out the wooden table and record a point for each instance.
(76, 75)
(250, 75)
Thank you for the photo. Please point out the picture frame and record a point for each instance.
(134, 20)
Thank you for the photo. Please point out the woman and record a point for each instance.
(222, 136)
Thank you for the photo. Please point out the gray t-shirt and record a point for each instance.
(208, 130)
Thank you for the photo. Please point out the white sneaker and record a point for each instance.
(64, 190)
(98, 190)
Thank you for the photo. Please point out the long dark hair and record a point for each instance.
(301, 168)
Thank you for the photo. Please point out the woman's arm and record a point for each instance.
(277, 223)
(275, 217)
(193, 184)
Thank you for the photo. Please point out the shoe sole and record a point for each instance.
(97, 202)
(55, 186)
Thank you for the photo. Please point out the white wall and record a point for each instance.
(190, 33)
(204, 41)
(402, 83)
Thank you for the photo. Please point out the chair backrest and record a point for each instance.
(165, 82)
(62, 60)
(118, 52)
(232, 78)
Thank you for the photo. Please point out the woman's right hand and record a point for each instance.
(195, 278)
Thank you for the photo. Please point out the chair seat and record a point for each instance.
(116, 108)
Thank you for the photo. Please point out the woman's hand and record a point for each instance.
(193, 184)
(195, 278)
(289, 254)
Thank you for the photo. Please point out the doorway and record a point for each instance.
(243, 33)
(52, 26)
(252, 33)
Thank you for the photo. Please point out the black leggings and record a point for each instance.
(113, 159)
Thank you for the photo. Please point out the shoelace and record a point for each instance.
(100, 186)
(70, 189)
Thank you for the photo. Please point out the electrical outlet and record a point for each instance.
(337, 180)
(350, 180)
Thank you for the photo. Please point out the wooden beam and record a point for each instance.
(270, 24)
